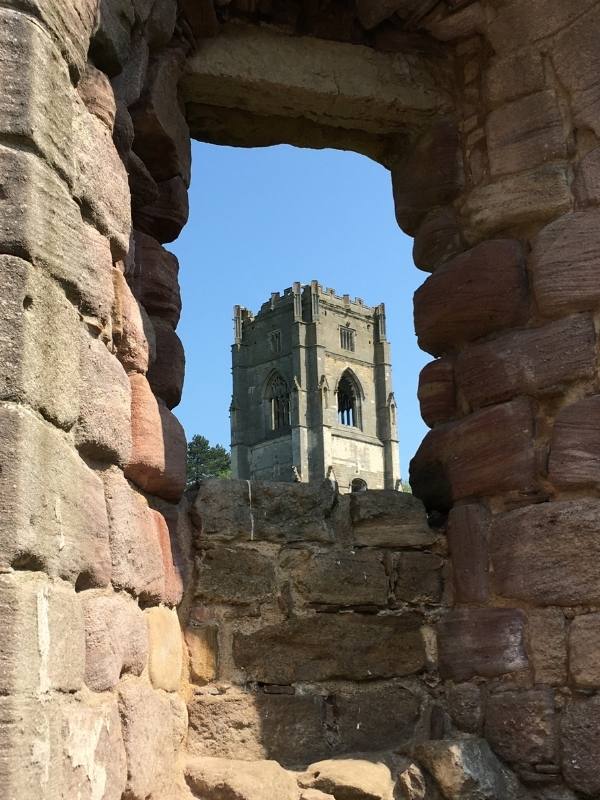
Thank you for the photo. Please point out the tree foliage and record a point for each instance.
(206, 461)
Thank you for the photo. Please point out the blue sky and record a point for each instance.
(265, 217)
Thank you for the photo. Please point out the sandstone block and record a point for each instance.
(437, 239)
(155, 279)
(116, 639)
(172, 591)
(520, 726)
(143, 187)
(43, 639)
(563, 264)
(584, 651)
(431, 175)
(162, 137)
(244, 780)
(165, 655)
(103, 429)
(203, 651)
(480, 291)
(466, 769)
(128, 84)
(38, 330)
(35, 89)
(338, 578)
(548, 645)
(418, 578)
(513, 75)
(389, 519)
(327, 646)
(481, 641)
(101, 184)
(98, 96)
(150, 733)
(166, 217)
(468, 533)
(352, 778)
(161, 23)
(524, 133)
(158, 453)
(95, 286)
(234, 576)
(137, 562)
(548, 554)
(166, 372)
(532, 361)
(465, 706)
(574, 447)
(53, 510)
(580, 744)
(513, 200)
(437, 397)
(586, 185)
(132, 329)
(110, 44)
(489, 452)
(275, 512)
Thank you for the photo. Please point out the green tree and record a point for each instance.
(206, 461)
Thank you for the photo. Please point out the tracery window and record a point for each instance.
(347, 339)
(278, 396)
(348, 402)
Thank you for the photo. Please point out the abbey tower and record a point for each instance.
(312, 391)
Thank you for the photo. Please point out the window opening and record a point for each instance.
(347, 339)
(275, 341)
(347, 403)
(279, 397)
(358, 485)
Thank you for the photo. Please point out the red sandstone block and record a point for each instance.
(438, 239)
(173, 584)
(481, 641)
(480, 291)
(575, 445)
(158, 453)
(436, 392)
(564, 264)
(468, 531)
(166, 372)
(532, 361)
(166, 217)
(487, 453)
(154, 281)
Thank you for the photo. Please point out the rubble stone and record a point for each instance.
(389, 519)
(520, 726)
(548, 645)
(165, 653)
(243, 780)
(580, 741)
(584, 651)
(350, 778)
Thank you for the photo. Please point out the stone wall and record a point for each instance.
(487, 115)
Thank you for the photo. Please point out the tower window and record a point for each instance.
(275, 341)
(279, 399)
(358, 485)
(347, 336)
(347, 402)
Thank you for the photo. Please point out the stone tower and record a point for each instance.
(312, 391)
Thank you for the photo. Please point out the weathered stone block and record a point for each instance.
(203, 650)
(584, 651)
(116, 639)
(228, 724)
(548, 645)
(468, 532)
(531, 361)
(103, 429)
(328, 646)
(465, 706)
(38, 330)
(563, 264)
(515, 75)
(43, 647)
(166, 217)
(489, 452)
(101, 184)
(133, 331)
(35, 89)
(437, 239)
(418, 578)
(575, 445)
(162, 137)
(110, 43)
(586, 185)
(165, 655)
(349, 778)
(520, 726)
(172, 590)
(481, 641)
(246, 780)
(548, 554)
(53, 513)
(155, 279)
(166, 372)
(161, 23)
(95, 288)
(262, 511)
(234, 576)
(480, 291)
(137, 563)
(531, 196)
(98, 96)
(389, 519)
(150, 736)
(128, 84)
(158, 453)
(580, 744)
(437, 394)
(524, 133)
(372, 12)
(338, 578)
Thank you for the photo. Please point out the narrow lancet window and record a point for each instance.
(279, 398)
(347, 409)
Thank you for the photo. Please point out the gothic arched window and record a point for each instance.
(348, 396)
(278, 396)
